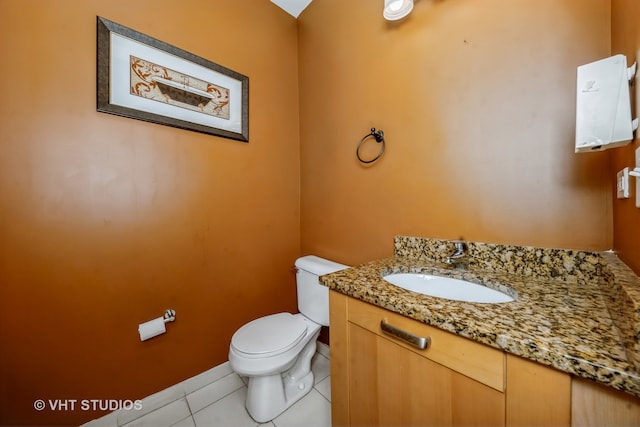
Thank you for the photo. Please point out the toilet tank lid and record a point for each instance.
(318, 266)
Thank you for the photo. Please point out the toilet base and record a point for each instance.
(270, 395)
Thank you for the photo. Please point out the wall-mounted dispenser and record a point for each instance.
(603, 105)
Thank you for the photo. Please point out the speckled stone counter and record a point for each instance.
(576, 311)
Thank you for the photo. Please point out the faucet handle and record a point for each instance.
(459, 243)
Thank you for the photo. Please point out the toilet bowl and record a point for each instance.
(279, 374)
(275, 351)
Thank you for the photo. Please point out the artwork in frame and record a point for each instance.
(146, 79)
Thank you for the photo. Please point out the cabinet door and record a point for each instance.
(537, 396)
(392, 386)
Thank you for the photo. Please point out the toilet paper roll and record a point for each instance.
(151, 328)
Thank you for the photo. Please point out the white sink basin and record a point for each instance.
(446, 287)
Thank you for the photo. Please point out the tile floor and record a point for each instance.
(216, 399)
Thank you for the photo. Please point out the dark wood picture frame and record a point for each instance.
(143, 78)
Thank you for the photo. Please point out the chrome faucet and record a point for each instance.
(460, 253)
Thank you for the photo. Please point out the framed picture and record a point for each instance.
(146, 79)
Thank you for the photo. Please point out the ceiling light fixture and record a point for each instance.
(397, 9)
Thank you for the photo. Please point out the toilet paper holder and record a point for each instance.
(169, 315)
(156, 327)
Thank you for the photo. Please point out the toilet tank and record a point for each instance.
(313, 298)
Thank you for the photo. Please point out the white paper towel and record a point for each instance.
(151, 328)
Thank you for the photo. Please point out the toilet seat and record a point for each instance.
(269, 335)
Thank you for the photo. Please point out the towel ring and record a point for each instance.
(379, 136)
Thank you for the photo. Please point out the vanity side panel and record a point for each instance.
(536, 394)
(339, 356)
(594, 405)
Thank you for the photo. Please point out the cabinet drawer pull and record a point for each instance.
(421, 342)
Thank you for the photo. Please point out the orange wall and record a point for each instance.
(625, 39)
(477, 102)
(105, 221)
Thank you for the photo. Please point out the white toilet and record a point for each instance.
(275, 351)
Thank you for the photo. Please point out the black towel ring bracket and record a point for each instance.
(379, 136)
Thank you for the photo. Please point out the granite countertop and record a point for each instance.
(576, 311)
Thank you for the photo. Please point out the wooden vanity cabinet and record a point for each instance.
(380, 380)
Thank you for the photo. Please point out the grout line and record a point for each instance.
(189, 407)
